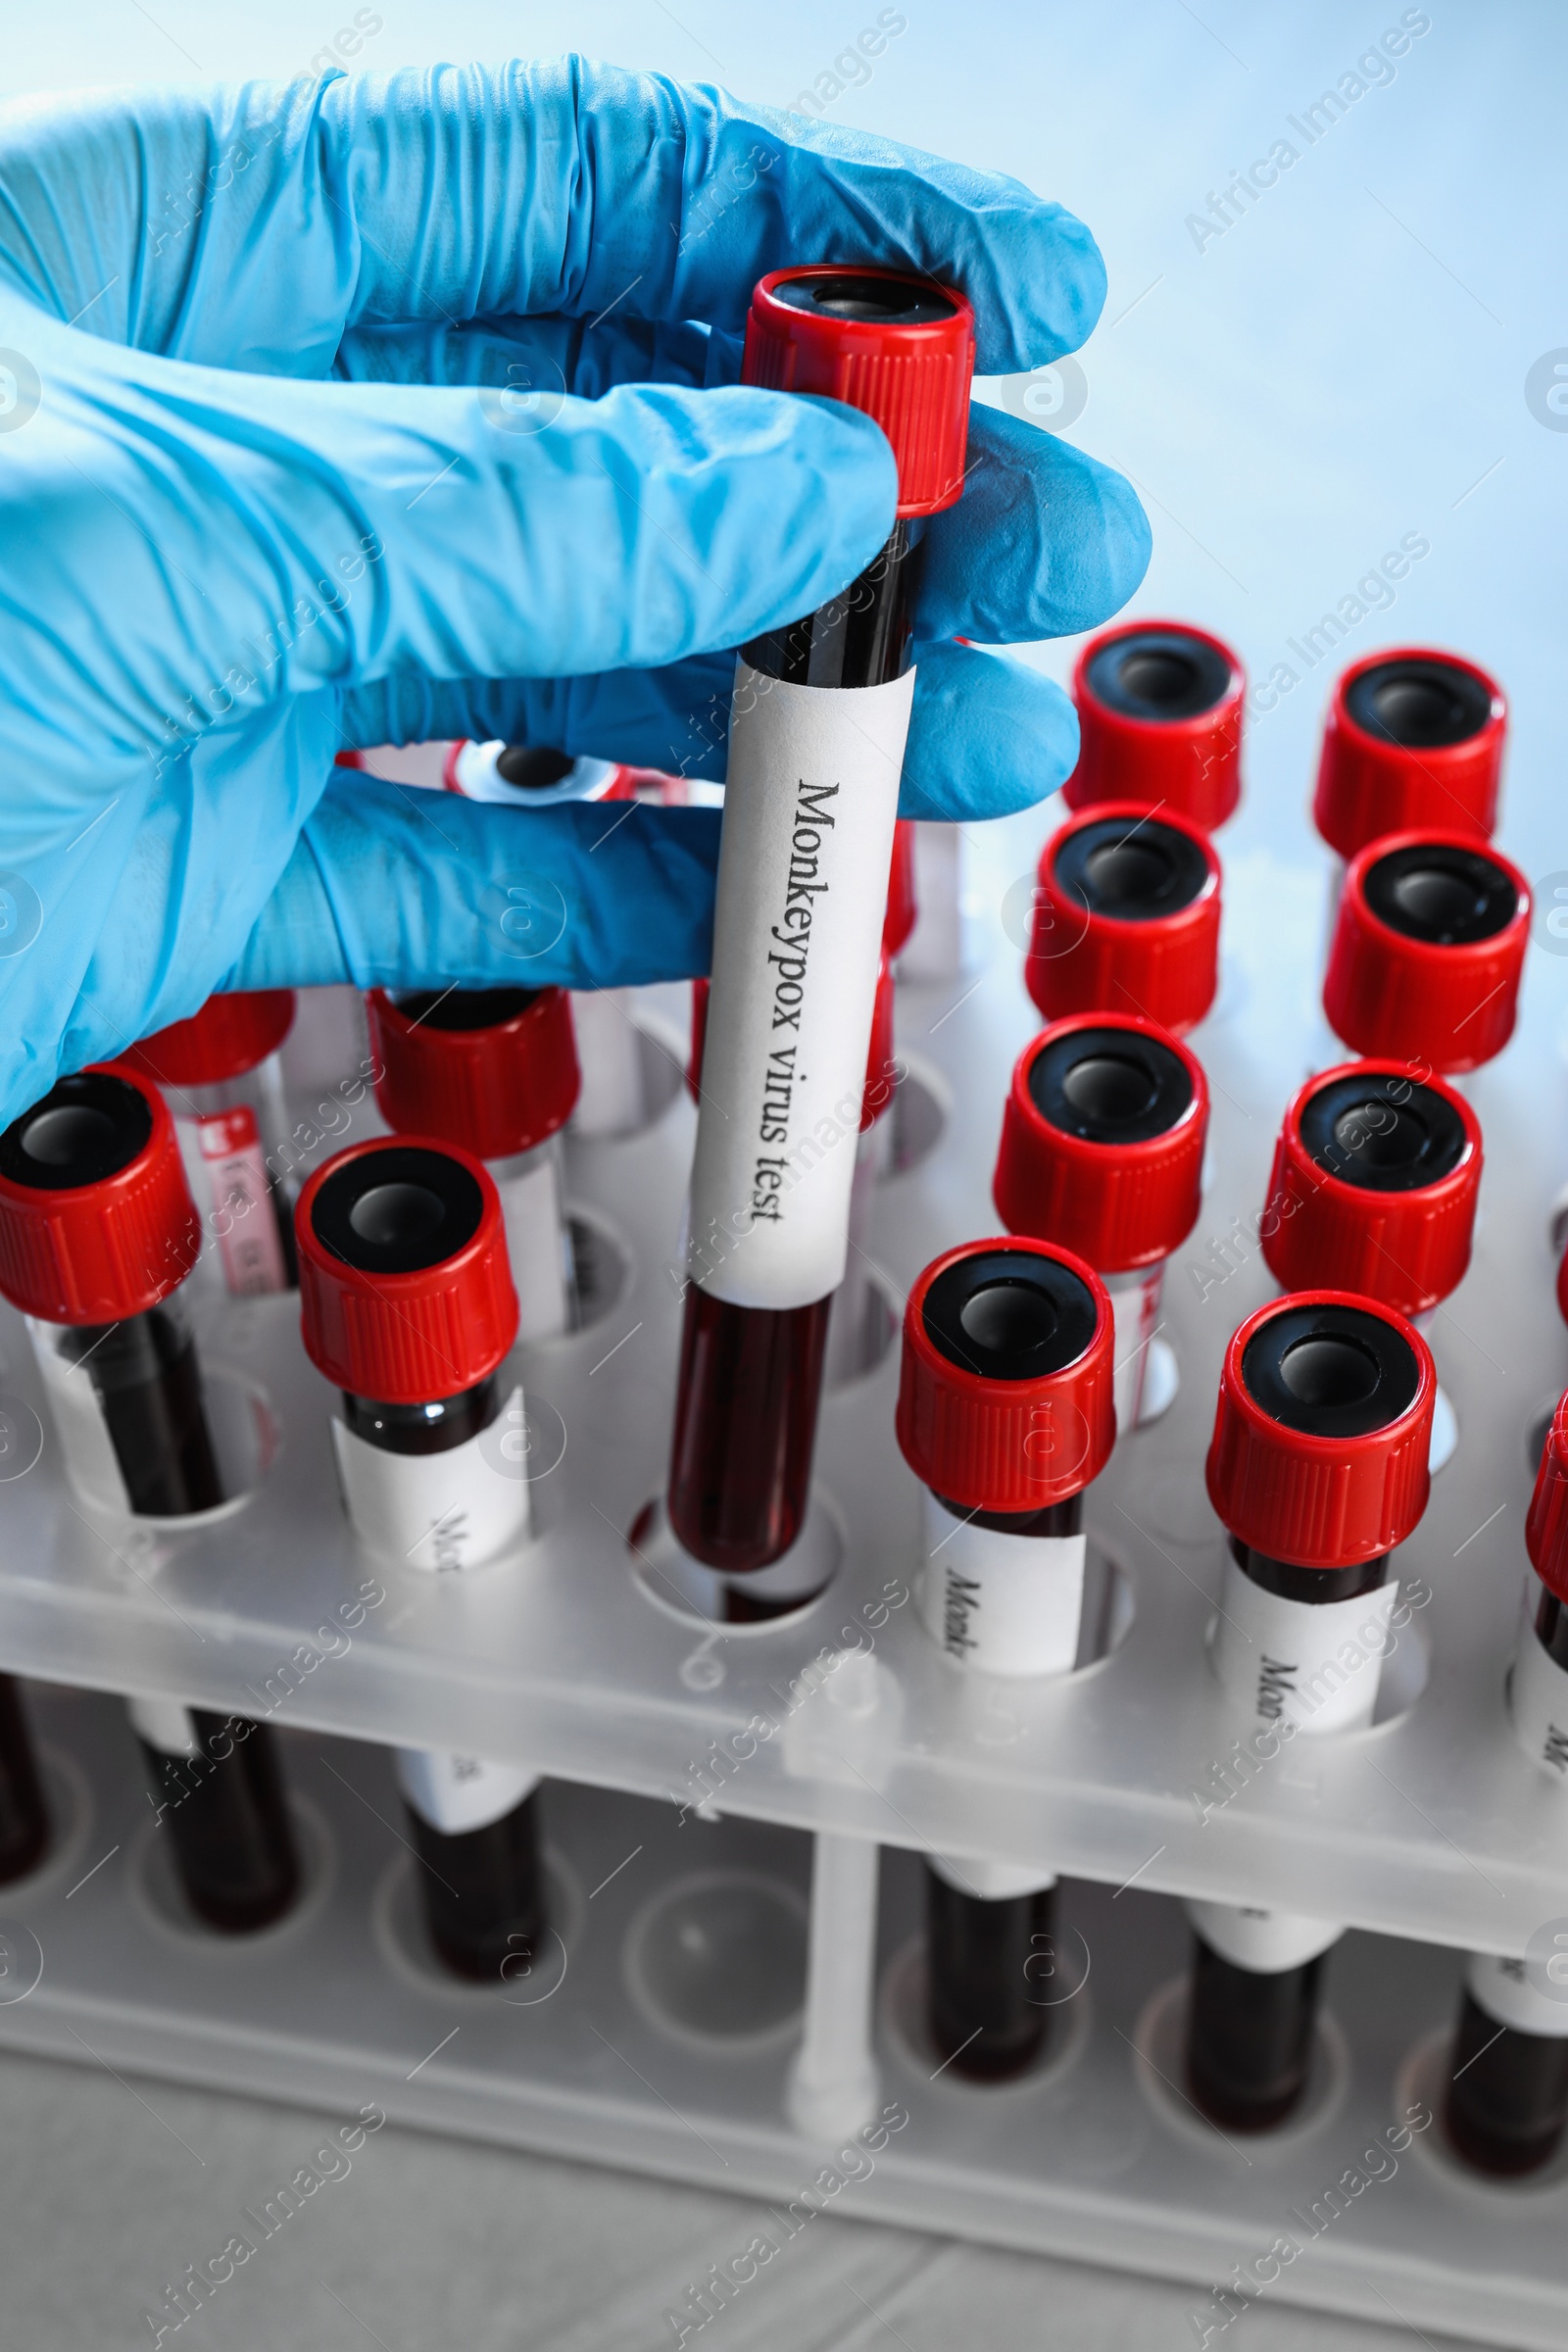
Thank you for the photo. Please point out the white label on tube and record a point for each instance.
(1265, 1941)
(1315, 1664)
(78, 1418)
(992, 1881)
(1134, 1312)
(435, 1510)
(241, 1202)
(1537, 1702)
(809, 804)
(531, 1205)
(1504, 1991)
(454, 1793)
(163, 1724)
(1001, 1603)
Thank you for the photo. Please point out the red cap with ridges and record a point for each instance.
(100, 1252)
(407, 1338)
(1192, 766)
(1547, 1527)
(1115, 1205)
(1316, 1502)
(1006, 1445)
(494, 1091)
(229, 1036)
(911, 377)
(1406, 1250)
(1080, 960)
(1368, 786)
(881, 1066)
(1387, 994)
(903, 907)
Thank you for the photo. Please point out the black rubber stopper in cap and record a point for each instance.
(887, 301)
(531, 768)
(84, 1129)
(1135, 872)
(1420, 704)
(1110, 1086)
(397, 1211)
(1159, 674)
(1355, 1129)
(1446, 896)
(459, 1009)
(1008, 1314)
(1330, 1371)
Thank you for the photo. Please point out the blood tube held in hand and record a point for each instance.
(1159, 721)
(1412, 738)
(1318, 1470)
(1126, 917)
(223, 1081)
(1005, 1416)
(408, 1310)
(822, 708)
(495, 1072)
(1374, 1188)
(1103, 1152)
(1507, 2099)
(1429, 946)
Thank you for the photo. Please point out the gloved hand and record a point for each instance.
(310, 440)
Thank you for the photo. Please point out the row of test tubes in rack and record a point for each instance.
(422, 1254)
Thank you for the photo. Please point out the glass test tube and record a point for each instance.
(1005, 1415)
(820, 714)
(1319, 1469)
(221, 1078)
(97, 1236)
(408, 1310)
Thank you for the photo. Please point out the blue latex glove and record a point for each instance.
(312, 441)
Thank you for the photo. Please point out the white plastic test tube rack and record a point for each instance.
(579, 1660)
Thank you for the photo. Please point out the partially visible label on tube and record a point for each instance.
(1135, 1313)
(1314, 1664)
(1537, 1702)
(252, 1254)
(454, 1793)
(435, 1510)
(1265, 1941)
(531, 1205)
(163, 1724)
(1513, 1992)
(1001, 1603)
(810, 805)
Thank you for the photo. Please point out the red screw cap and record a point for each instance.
(405, 1289)
(229, 1036)
(1127, 916)
(903, 907)
(1004, 1398)
(1546, 1528)
(1376, 1177)
(1319, 1454)
(1412, 738)
(1103, 1140)
(96, 1219)
(1159, 719)
(899, 348)
(1428, 949)
(492, 1070)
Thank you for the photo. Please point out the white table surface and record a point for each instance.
(1343, 366)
